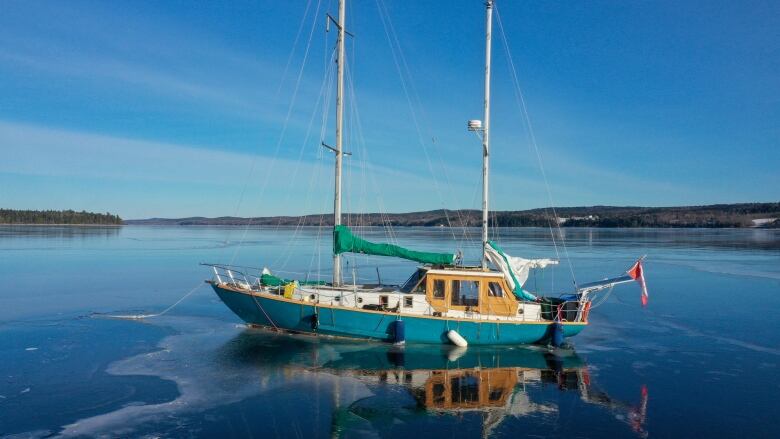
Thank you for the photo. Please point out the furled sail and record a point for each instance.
(270, 280)
(345, 242)
(515, 269)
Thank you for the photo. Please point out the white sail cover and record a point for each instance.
(515, 269)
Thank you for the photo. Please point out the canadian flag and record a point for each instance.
(637, 273)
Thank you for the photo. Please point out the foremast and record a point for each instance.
(486, 134)
(339, 134)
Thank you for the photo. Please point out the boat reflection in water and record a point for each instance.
(495, 383)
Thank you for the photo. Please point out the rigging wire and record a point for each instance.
(292, 52)
(603, 299)
(317, 252)
(285, 124)
(416, 96)
(395, 46)
(324, 99)
(350, 136)
(366, 163)
(520, 98)
(255, 156)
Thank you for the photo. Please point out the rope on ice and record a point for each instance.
(146, 316)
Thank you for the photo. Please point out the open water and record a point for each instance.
(701, 360)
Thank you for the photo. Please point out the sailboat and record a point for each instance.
(442, 302)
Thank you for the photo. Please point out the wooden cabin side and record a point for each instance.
(482, 293)
(469, 389)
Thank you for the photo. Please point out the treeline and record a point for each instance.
(712, 216)
(8, 216)
(718, 215)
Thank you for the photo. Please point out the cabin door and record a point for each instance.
(496, 299)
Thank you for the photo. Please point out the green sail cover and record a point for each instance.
(270, 280)
(345, 242)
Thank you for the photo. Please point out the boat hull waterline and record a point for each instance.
(291, 315)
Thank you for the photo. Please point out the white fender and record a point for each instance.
(456, 352)
(456, 339)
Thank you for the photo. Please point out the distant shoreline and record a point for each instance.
(62, 225)
(743, 215)
(715, 216)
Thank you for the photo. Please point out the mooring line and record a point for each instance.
(260, 307)
(146, 316)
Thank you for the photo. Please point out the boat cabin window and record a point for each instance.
(465, 293)
(495, 290)
(465, 389)
(439, 397)
(383, 300)
(408, 302)
(438, 289)
(415, 283)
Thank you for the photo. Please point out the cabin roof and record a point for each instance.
(464, 271)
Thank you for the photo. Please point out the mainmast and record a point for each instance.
(339, 134)
(486, 133)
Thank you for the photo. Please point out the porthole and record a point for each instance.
(360, 300)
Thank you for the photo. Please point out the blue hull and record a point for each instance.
(295, 316)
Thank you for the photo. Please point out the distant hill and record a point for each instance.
(716, 215)
(68, 217)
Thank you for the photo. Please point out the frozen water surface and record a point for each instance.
(701, 360)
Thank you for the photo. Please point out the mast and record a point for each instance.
(486, 133)
(339, 134)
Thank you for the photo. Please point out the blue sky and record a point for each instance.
(180, 108)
